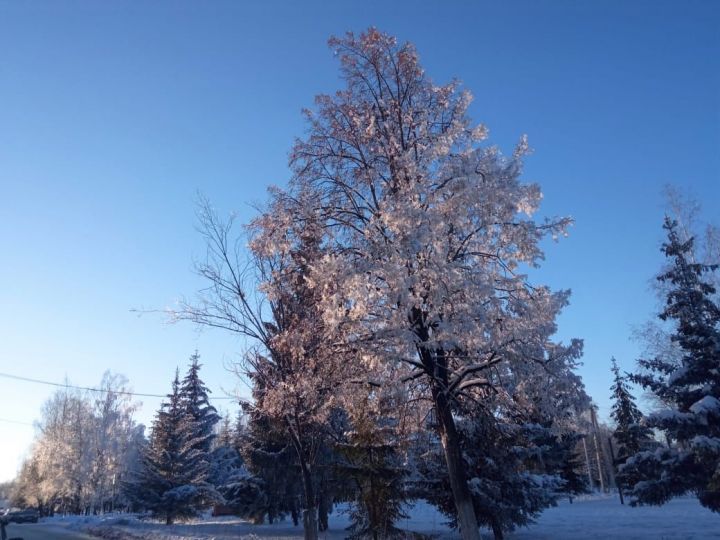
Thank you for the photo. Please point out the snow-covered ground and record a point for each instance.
(591, 518)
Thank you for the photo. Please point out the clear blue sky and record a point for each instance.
(114, 114)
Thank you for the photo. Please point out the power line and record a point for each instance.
(65, 385)
(16, 422)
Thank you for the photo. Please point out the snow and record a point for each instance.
(603, 519)
(590, 518)
(707, 405)
(709, 444)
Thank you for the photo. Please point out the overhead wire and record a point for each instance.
(16, 422)
(89, 389)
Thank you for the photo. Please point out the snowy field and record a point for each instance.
(592, 518)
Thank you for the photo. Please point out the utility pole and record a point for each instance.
(587, 464)
(612, 456)
(593, 419)
(112, 501)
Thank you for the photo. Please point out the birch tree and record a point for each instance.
(87, 441)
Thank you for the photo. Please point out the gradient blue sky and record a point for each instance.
(113, 115)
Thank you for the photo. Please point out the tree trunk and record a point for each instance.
(434, 363)
(310, 524)
(322, 512)
(497, 530)
(450, 439)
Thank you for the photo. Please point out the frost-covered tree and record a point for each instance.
(162, 462)
(270, 457)
(517, 452)
(30, 488)
(114, 440)
(244, 494)
(429, 233)
(225, 461)
(690, 388)
(64, 450)
(86, 443)
(630, 434)
(571, 467)
(225, 434)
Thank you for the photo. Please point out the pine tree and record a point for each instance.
(691, 388)
(244, 494)
(225, 459)
(225, 435)
(630, 434)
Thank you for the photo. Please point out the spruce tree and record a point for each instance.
(630, 434)
(370, 464)
(198, 421)
(163, 485)
(272, 487)
(173, 482)
(225, 459)
(512, 471)
(571, 466)
(690, 388)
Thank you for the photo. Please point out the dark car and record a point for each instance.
(15, 515)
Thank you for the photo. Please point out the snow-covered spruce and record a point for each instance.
(631, 433)
(689, 389)
(173, 481)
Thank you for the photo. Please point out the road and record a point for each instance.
(41, 531)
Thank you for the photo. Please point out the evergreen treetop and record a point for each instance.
(195, 401)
